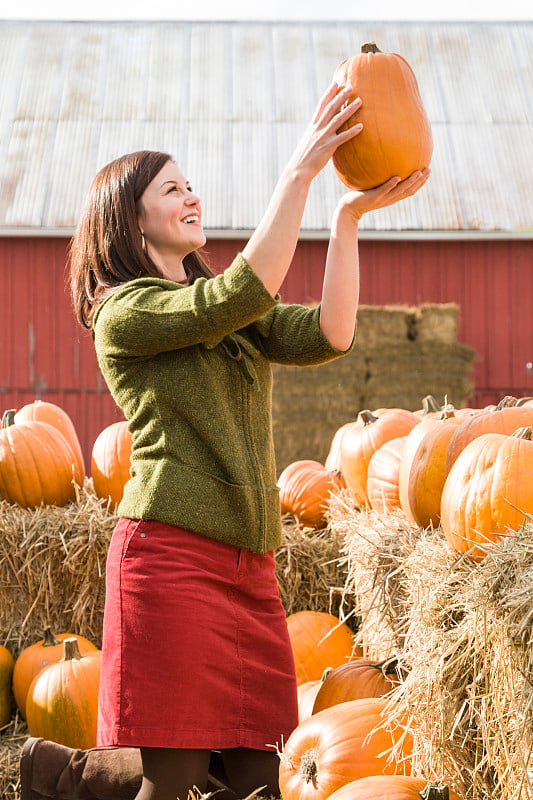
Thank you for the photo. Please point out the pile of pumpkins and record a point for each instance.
(346, 745)
(349, 744)
(54, 686)
(41, 460)
(467, 470)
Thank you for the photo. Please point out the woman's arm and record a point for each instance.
(340, 291)
(271, 247)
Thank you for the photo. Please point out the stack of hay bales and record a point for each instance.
(402, 354)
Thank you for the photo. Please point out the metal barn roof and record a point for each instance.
(230, 99)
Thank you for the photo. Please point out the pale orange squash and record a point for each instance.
(382, 483)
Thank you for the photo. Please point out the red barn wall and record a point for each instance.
(44, 353)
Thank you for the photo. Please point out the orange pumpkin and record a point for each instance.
(396, 136)
(505, 418)
(110, 461)
(62, 701)
(44, 411)
(394, 787)
(7, 662)
(305, 490)
(307, 693)
(360, 443)
(487, 491)
(356, 679)
(319, 640)
(37, 464)
(382, 484)
(333, 458)
(428, 471)
(340, 744)
(35, 657)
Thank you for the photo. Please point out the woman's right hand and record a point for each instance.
(323, 135)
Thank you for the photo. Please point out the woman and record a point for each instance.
(196, 655)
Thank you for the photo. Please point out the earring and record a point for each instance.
(143, 243)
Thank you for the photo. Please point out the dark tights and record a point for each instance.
(170, 773)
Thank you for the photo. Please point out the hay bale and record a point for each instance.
(310, 572)
(373, 555)
(52, 569)
(463, 636)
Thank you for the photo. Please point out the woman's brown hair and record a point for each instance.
(106, 250)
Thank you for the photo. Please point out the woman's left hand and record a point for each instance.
(388, 193)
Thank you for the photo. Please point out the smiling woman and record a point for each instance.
(187, 357)
(170, 221)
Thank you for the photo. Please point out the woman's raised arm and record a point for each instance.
(271, 247)
(340, 292)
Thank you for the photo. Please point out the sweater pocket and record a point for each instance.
(243, 515)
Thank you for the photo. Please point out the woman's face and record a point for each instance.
(170, 217)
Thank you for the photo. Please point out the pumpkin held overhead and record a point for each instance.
(396, 136)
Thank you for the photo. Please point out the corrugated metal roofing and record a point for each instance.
(230, 100)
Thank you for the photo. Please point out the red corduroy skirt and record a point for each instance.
(196, 652)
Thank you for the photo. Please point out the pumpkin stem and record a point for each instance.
(8, 418)
(367, 417)
(506, 402)
(523, 400)
(370, 47)
(326, 673)
(71, 650)
(309, 766)
(49, 639)
(429, 404)
(435, 791)
(523, 433)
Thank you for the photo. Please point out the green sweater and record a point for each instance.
(190, 368)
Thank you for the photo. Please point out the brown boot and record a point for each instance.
(51, 771)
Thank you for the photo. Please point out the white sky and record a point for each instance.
(300, 10)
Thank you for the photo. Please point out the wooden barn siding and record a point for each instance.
(43, 353)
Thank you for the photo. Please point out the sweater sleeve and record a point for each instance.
(153, 315)
(291, 334)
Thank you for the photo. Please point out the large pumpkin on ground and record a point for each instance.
(319, 640)
(340, 744)
(38, 655)
(62, 701)
(394, 787)
(488, 491)
(396, 137)
(110, 461)
(37, 464)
